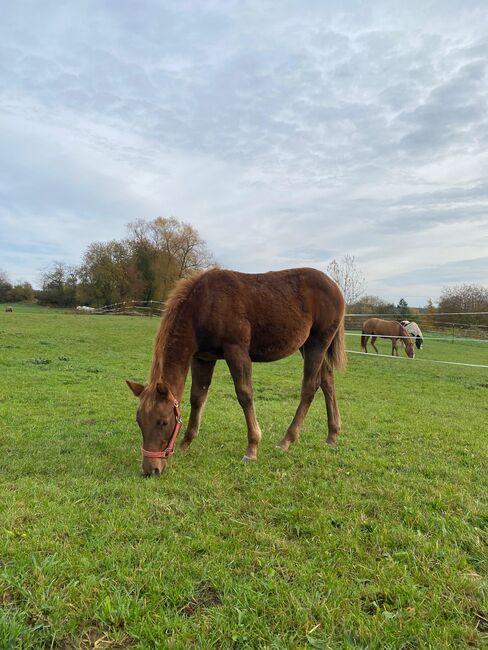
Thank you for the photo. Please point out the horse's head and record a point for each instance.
(158, 419)
(409, 348)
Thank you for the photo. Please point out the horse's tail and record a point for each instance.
(336, 356)
(364, 340)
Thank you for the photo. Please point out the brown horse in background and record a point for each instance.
(386, 329)
(241, 318)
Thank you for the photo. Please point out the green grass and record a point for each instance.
(379, 544)
(31, 308)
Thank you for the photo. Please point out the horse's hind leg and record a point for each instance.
(333, 415)
(313, 354)
(373, 341)
(394, 349)
(201, 376)
(240, 367)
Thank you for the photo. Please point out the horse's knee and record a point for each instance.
(245, 399)
(197, 401)
(308, 392)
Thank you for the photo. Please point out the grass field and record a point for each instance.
(379, 544)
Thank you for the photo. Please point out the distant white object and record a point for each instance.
(85, 308)
(414, 330)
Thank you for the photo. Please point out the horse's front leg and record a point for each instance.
(240, 367)
(394, 349)
(201, 377)
(373, 342)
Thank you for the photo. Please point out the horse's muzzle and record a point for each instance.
(153, 467)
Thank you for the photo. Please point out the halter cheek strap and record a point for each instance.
(168, 450)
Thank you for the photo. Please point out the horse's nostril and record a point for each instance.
(156, 472)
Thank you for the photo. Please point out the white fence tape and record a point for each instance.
(390, 356)
(425, 315)
(446, 338)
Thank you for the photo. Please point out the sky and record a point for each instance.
(287, 133)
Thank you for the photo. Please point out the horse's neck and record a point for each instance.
(172, 360)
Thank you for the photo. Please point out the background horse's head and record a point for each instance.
(157, 420)
(407, 342)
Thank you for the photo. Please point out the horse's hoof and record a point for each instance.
(246, 459)
(281, 447)
(331, 443)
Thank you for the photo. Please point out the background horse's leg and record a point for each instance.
(240, 367)
(364, 342)
(333, 415)
(373, 339)
(313, 353)
(394, 349)
(201, 376)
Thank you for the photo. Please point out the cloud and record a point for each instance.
(287, 134)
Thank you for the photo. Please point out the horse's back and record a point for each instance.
(274, 311)
(304, 286)
(380, 326)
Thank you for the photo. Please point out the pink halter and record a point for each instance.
(168, 450)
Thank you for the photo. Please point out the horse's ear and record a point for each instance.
(135, 387)
(162, 389)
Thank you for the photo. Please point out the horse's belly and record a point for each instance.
(269, 345)
(271, 355)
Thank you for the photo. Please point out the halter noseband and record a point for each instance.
(168, 450)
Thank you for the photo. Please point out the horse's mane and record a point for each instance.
(405, 336)
(166, 338)
(174, 304)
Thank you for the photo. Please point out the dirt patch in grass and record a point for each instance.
(481, 618)
(206, 596)
(91, 639)
(9, 599)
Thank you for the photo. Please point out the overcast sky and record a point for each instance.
(287, 133)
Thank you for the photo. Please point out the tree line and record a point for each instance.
(467, 301)
(143, 266)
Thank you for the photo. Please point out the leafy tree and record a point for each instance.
(402, 309)
(373, 305)
(106, 274)
(23, 292)
(463, 298)
(5, 287)
(165, 250)
(428, 318)
(348, 277)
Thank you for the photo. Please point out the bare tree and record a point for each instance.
(348, 277)
(59, 285)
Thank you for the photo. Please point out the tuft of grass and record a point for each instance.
(378, 544)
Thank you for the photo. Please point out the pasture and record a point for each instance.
(380, 543)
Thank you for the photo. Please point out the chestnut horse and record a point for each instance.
(241, 318)
(386, 329)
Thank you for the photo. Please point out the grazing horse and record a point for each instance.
(386, 329)
(414, 330)
(239, 317)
